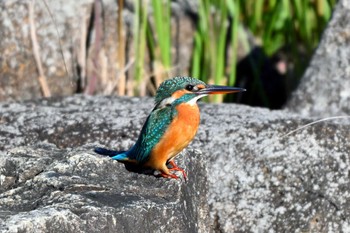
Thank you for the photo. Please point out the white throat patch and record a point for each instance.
(170, 100)
(193, 101)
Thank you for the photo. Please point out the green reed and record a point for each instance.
(222, 26)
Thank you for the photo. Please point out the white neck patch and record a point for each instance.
(166, 102)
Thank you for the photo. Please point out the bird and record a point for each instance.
(170, 127)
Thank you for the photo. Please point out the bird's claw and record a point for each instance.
(172, 176)
(176, 168)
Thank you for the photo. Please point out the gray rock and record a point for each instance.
(325, 87)
(259, 179)
(45, 189)
(263, 181)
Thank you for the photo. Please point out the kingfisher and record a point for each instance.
(170, 127)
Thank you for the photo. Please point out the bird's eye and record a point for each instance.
(190, 87)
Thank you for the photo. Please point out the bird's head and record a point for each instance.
(186, 89)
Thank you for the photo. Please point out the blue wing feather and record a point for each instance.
(153, 129)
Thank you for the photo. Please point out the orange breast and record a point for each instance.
(179, 134)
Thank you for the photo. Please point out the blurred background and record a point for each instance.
(128, 47)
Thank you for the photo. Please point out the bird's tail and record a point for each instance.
(120, 156)
(107, 152)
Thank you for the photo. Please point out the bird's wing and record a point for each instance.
(152, 131)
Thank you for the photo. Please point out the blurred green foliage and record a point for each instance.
(222, 26)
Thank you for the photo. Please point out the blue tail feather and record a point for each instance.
(110, 153)
(121, 156)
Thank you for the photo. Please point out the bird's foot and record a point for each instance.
(172, 176)
(176, 168)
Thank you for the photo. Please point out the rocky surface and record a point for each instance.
(71, 189)
(325, 87)
(262, 180)
(45, 189)
(259, 178)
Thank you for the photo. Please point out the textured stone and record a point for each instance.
(325, 87)
(263, 181)
(259, 179)
(71, 189)
(55, 190)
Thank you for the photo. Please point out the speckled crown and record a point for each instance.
(168, 87)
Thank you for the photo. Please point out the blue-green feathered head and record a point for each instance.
(168, 87)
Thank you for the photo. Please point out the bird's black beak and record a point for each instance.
(214, 89)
